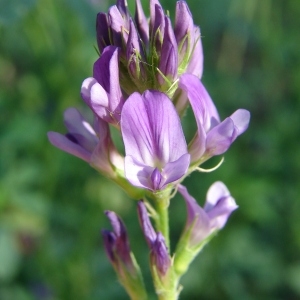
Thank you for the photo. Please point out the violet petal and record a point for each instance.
(151, 129)
(62, 142)
(145, 223)
(220, 138)
(142, 23)
(196, 216)
(195, 65)
(159, 254)
(168, 63)
(219, 204)
(137, 173)
(102, 29)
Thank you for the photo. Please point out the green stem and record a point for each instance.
(163, 221)
(161, 205)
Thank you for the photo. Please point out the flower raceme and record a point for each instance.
(147, 115)
(147, 74)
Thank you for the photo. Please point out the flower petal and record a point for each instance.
(62, 142)
(195, 65)
(241, 119)
(197, 146)
(105, 155)
(157, 27)
(106, 72)
(134, 52)
(175, 170)
(219, 204)
(196, 217)
(122, 6)
(216, 191)
(184, 27)
(142, 23)
(154, 4)
(159, 255)
(145, 223)
(168, 63)
(220, 138)
(137, 173)
(80, 129)
(151, 129)
(203, 107)
(119, 27)
(102, 29)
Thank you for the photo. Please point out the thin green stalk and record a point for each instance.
(161, 205)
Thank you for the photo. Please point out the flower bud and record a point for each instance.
(159, 256)
(118, 251)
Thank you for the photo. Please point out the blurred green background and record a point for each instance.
(51, 204)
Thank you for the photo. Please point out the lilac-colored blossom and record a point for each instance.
(159, 255)
(156, 150)
(102, 92)
(213, 137)
(92, 144)
(205, 221)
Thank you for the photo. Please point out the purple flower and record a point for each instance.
(117, 244)
(202, 222)
(153, 55)
(102, 92)
(92, 144)
(156, 150)
(159, 253)
(213, 137)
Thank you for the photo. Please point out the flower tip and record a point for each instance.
(241, 119)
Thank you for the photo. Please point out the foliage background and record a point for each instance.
(51, 204)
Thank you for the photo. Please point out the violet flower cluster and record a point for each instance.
(147, 74)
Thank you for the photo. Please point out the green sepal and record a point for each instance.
(131, 280)
(185, 253)
(166, 286)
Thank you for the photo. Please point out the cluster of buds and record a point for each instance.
(147, 74)
(153, 55)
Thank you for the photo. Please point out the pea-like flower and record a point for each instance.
(202, 222)
(155, 147)
(213, 137)
(92, 144)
